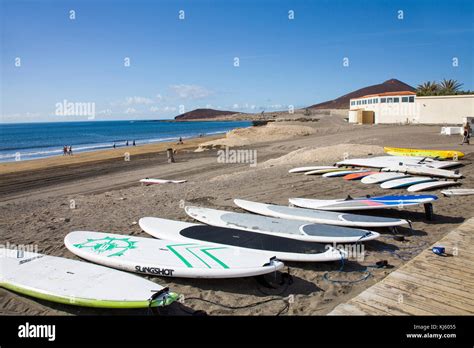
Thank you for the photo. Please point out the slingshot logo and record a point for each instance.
(237, 156)
(37, 331)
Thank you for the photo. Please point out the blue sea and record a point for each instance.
(24, 141)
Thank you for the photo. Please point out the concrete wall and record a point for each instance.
(452, 109)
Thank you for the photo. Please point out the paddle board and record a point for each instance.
(307, 169)
(404, 182)
(342, 173)
(149, 181)
(432, 185)
(424, 171)
(324, 171)
(441, 154)
(77, 283)
(318, 216)
(281, 227)
(380, 202)
(388, 161)
(358, 176)
(166, 258)
(283, 248)
(382, 177)
(458, 192)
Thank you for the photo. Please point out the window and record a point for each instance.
(389, 100)
(370, 101)
(383, 100)
(376, 100)
(412, 99)
(364, 101)
(404, 99)
(396, 100)
(358, 102)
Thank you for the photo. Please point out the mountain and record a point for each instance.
(203, 114)
(392, 85)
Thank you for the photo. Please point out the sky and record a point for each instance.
(137, 59)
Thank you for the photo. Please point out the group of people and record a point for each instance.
(126, 144)
(67, 150)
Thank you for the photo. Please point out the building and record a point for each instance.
(405, 107)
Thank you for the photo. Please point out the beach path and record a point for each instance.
(427, 285)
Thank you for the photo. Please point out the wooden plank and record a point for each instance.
(389, 305)
(347, 309)
(434, 273)
(424, 300)
(457, 289)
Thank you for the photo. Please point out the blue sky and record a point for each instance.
(190, 62)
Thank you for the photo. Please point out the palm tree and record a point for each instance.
(449, 86)
(427, 88)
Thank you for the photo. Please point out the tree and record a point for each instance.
(449, 87)
(427, 88)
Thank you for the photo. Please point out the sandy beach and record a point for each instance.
(35, 199)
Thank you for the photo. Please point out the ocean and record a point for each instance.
(25, 141)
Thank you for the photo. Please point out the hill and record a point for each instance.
(201, 114)
(392, 85)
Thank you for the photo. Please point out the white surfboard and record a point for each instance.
(404, 182)
(458, 192)
(382, 177)
(363, 203)
(432, 185)
(308, 169)
(443, 173)
(166, 258)
(324, 171)
(77, 283)
(318, 216)
(280, 227)
(342, 173)
(150, 181)
(282, 248)
(389, 161)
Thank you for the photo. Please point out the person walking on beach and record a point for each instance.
(466, 134)
(133, 142)
(64, 150)
(180, 141)
(70, 150)
(114, 145)
(126, 144)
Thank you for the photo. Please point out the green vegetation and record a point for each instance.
(445, 87)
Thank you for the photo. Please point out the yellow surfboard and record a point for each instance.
(440, 154)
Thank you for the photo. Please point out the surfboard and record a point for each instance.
(318, 216)
(404, 182)
(380, 202)
(382, 177)
(280, 227)
(441, 154)
(282, 248)
(357, 176)
(77, 283)
(343, 173)
(388, 161)
(149, 181)
(308, 169)
(166, 258)
(443, 173)
(324, 171)
(458, 192)
(432, 185)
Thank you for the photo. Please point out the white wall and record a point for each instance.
(425, 110)
(452, 109)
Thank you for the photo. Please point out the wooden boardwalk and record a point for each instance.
(426, 285)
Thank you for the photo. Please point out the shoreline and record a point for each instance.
(102, 155)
